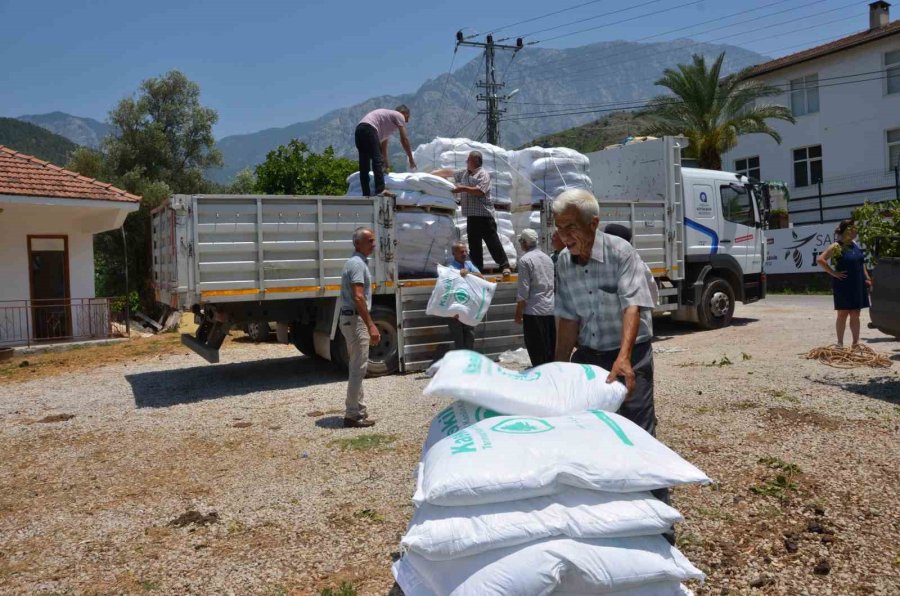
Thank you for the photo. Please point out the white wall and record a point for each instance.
(850, 125)
(17, 222)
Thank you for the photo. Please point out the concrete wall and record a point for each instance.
(850, 126)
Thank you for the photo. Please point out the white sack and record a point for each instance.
(454, 295)
(401, 181)
(599, 566)
(443, 533)
(424, 240)
(654, 589)
(507, 458)
(415, 198)
(552, 389)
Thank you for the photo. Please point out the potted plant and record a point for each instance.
(879, 231)
(778, 219)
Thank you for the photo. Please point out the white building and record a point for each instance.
(48, 218)
(845, 96)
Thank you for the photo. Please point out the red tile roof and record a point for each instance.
(892, 28)
(25, 175)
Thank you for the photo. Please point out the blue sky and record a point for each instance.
(271, 63)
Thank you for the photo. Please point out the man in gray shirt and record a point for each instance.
(356, 324)
(534, 300)
(473, 184)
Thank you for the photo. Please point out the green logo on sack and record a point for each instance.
(461, 295)
(482, 413)
(522, 426)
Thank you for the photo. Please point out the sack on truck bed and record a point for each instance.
(560, 566)
(454, 295)
(442, 533)
(552, 389)
(423, 241)
(506, 458)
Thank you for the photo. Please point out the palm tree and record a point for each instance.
(711, 111)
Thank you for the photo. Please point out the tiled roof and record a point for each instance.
(22, 174)
(892, 28)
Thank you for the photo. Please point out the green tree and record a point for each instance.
(164, 134)
(244, 183)
(712, 111)
(293, 169)
(161, 142)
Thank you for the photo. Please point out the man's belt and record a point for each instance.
(348, 312)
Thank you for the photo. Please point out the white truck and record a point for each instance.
(235, 260)
(699, 231)
(239, 259)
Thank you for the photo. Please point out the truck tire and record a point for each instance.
(302, 338)
(384, 359)
(258, 331)
(716, 306)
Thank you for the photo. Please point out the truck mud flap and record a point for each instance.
(209, 354)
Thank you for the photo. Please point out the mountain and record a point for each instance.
(568, 83)
(83, 131)
(593, 136)
(34, 140)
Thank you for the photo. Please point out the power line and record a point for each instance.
(645, 103)
(782, 86)
(468, 99)
(537, 18)
(549, 65)
(641, 55)
(447, 80)
(608, 68)
(670, 9)
(599, 16)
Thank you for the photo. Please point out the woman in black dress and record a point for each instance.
(851, 279)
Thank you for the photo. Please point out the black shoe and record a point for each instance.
(361, 423)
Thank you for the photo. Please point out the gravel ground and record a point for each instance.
(285, 503)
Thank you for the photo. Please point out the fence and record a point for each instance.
(30, 322)
(834, 199)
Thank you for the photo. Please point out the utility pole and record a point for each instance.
(491, 87)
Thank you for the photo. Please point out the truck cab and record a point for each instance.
(724, 239)
(699, 231)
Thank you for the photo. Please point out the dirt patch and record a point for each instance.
(793, 417)
(194, 518)
(84, 358)
(55, 418)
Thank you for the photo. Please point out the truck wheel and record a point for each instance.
(716, 305)
(384, 358)
(258, 331)
(302, 338)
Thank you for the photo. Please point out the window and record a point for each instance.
(893, 144)
(737, 205)
(892, 71)
(807, 166)
(749, 167)
(805, 95)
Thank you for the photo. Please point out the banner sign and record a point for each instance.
(794, 250)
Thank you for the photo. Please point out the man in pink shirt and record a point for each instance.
(372, 134)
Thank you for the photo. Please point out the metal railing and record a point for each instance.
(834, 199)
(32, 322)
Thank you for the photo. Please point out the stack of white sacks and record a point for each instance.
(552, 497)
(496, 161)
(425, 219)
(545, 173)
(521, 180)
